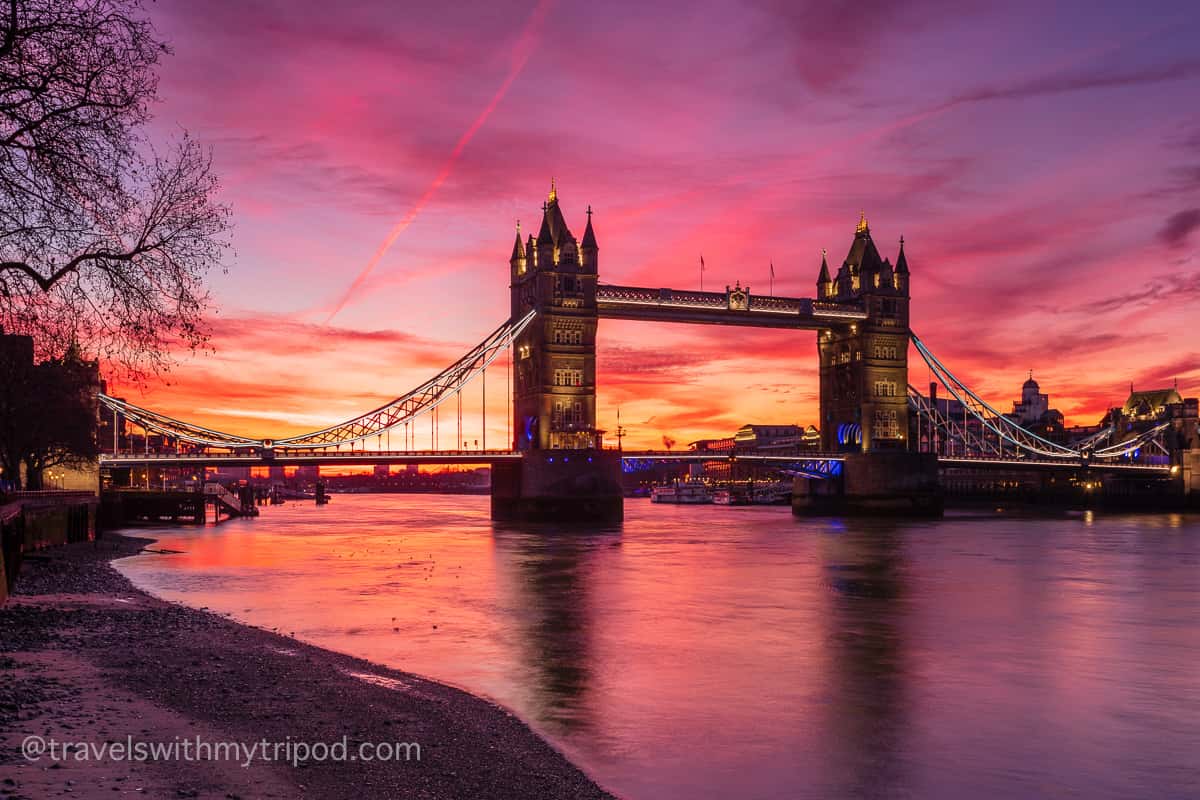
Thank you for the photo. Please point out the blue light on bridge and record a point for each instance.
(849, 433)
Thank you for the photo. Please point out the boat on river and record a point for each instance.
(684, 493)
(731, 497)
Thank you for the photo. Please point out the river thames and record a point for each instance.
(711, 652)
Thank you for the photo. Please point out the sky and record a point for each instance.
(1042, 162)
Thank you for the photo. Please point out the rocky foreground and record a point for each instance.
(88, 660)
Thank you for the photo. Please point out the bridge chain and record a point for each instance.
(415, 403)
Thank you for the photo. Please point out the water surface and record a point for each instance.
(712, 652)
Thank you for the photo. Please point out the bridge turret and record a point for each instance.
(902, 270)
(824, 282)
(588, 250)
(545, 241)
(518, 261)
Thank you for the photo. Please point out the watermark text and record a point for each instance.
(43, 748)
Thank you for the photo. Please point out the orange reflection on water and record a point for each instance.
(713, 652)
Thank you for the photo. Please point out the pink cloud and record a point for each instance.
(1041, 169)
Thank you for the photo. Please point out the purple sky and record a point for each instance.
(1043, 164)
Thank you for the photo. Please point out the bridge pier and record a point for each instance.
(1191, 477)
(559, 486)
(881, 483)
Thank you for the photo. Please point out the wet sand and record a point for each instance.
(87, 657)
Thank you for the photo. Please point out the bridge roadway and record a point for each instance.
(292, 458)
(306, 458)
(1009, 463)
(370, 457)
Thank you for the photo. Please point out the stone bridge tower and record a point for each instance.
(864, 393)
(554, 359)
(563, 474)
(864, 364)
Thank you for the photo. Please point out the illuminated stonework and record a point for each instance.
(864, 364)
(554, 392)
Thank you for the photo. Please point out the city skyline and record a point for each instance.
(731, 140)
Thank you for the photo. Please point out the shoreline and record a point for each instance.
(87, 657)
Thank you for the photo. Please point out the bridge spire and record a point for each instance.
(589, 236)
(518, 252)
(824, 282)
(862, 227)
(901, 260)
(553, 196)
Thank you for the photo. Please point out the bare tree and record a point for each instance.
(103, 239)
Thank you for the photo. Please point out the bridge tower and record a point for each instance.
(864, 392)
(864, 364)
(564, 473)
(554, 359)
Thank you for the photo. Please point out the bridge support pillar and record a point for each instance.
(559, 486)
(1191, 477)
(877, 483)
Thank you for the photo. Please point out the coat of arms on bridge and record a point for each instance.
(738, 298)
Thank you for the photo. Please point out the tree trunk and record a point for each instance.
(33, 477)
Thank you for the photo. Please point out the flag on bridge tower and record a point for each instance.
(702, 272)
(772, 290)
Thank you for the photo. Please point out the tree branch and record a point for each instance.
(46, 282)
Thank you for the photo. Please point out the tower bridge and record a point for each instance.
(881, 440)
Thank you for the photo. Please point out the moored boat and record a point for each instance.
(731, 497)
(686, 493)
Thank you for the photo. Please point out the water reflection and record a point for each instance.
(545, 577)
(714, 652)
(866, 716)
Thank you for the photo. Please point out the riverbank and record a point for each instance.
(85, 657)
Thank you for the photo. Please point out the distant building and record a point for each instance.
(1033, 413)
(712, 445)
(954, 415)
(756, 437)
(1147, 409)
(778, 440)
(1150, 405)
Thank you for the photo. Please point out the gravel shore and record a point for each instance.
(85, 657)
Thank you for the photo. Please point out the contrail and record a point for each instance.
(523, 48)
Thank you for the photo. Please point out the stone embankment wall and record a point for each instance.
(32, 521)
